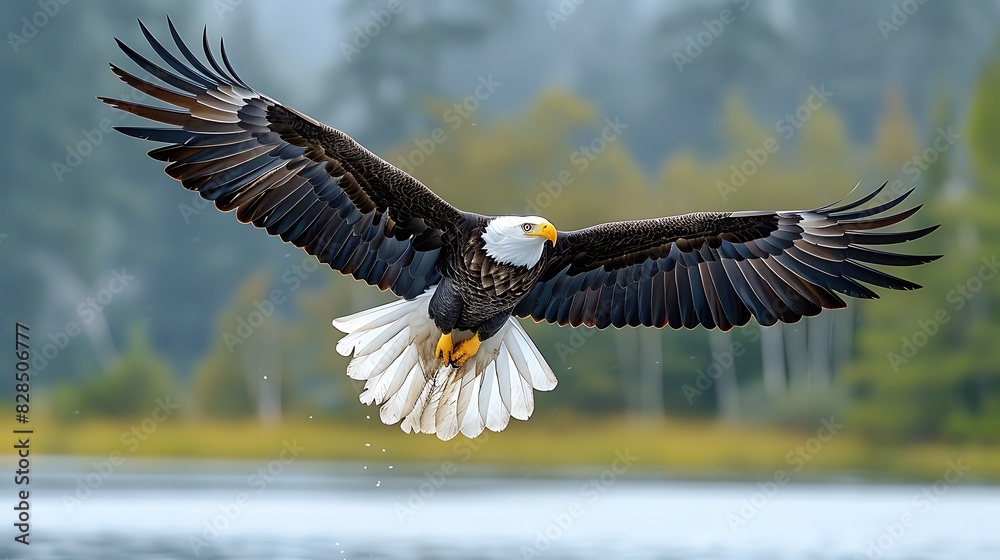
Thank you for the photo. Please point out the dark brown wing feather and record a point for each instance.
(282, 171)
(717, 269)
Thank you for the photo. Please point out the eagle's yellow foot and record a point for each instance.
(465, 350)
(445, 348)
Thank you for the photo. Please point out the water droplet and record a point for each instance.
(383, 450)
(310, 417)
(367, 444)
(265, 377)
(378, 483)
(369, 417)
(390, 466)
(365, 467)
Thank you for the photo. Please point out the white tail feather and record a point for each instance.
(393, 348)
(468, 406)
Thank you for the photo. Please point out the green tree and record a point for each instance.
(130, 388)
(928, 367)
(242, 374)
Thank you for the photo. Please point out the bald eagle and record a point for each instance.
(449, 355)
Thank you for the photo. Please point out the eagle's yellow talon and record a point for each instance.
(465, 350)
(445, 348)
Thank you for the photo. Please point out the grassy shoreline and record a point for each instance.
(668, 448)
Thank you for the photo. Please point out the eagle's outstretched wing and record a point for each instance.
(716, 269)
(282, 171)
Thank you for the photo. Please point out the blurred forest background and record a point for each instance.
(135, 290)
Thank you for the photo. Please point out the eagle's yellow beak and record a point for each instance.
(544, 229)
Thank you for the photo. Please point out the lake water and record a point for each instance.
(234, 510)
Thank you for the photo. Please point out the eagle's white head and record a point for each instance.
(518, 240)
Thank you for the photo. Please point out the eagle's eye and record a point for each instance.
(526, 227)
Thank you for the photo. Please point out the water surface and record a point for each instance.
(239, 510)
